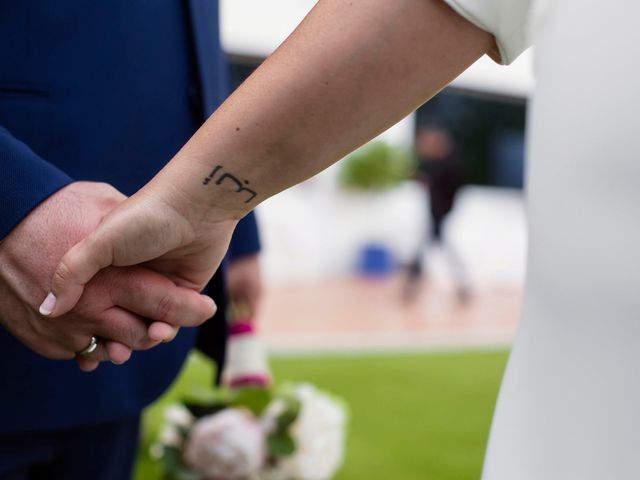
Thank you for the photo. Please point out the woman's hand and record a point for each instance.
(148, 229)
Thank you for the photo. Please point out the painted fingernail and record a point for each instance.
(48, 305)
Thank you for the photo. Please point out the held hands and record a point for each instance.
(163, 233)
(115, 306)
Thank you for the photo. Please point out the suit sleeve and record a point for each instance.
(27, 180)
(245, 240)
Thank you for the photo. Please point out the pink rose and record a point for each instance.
(229, 445)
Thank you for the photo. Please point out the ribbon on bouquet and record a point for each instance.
(246, 363)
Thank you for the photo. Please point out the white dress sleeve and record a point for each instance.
(507, 20)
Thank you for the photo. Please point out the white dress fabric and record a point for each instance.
(569, 406)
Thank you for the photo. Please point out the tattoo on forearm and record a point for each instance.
(240, 185)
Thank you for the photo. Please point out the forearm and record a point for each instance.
(348, 72)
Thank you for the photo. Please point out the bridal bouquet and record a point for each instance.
(251, 430)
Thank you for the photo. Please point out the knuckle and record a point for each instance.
(127, 335)
(167, 310)
(135, 336)
(62, 274)
(113, 329)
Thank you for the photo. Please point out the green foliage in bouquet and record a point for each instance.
(174, 467)
(208, 402)
(279, 441)
(377, 166)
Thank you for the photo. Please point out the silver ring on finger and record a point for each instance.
(89, 349)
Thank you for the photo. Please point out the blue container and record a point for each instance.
(375, 260)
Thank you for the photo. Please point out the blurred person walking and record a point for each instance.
(441, 173)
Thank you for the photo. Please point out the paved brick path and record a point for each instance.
(350, 313)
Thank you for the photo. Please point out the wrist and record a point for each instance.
(202, 193)
(188, 207)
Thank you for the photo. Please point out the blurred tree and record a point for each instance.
(377, 166)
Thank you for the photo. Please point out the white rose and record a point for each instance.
(179, 416)
(319, 433)
(169, 436)
(228, 445)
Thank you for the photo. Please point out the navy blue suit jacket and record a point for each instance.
(104, 90)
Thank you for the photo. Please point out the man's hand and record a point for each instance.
(244, 283)
(115, 306)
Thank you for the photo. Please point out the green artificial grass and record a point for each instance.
(413, 416)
